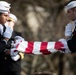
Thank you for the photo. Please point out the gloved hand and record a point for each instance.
(18, 39)
(59, 46)
(8, 32)
(15, 55)
(19, 55)
(66, 49)
(15, 58)
(62, 46)
(13, 52)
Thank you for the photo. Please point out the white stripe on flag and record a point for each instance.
(36, 49)
(50, 47)
(22, 46)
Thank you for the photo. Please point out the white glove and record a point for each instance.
(65, 46)
(18, 39)
(8, 32)
(13, 52)
(15, 58)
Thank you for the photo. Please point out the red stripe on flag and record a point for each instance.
(43, 48)
(29, 49)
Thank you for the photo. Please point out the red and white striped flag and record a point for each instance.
(39, 47)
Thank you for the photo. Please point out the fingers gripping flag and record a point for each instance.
(39, 47)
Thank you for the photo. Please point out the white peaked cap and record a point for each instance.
(4, 7)
(70, 5)
(5, 4)
(13, 17)
(3, 10)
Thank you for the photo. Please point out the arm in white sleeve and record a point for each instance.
(68, 30)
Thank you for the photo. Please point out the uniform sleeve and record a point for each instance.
(2, 46)
(68, 30)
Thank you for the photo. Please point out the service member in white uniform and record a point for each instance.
(70, 29)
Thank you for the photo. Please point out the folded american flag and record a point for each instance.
(40, 47)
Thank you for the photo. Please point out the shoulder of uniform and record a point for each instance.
(72, 23)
